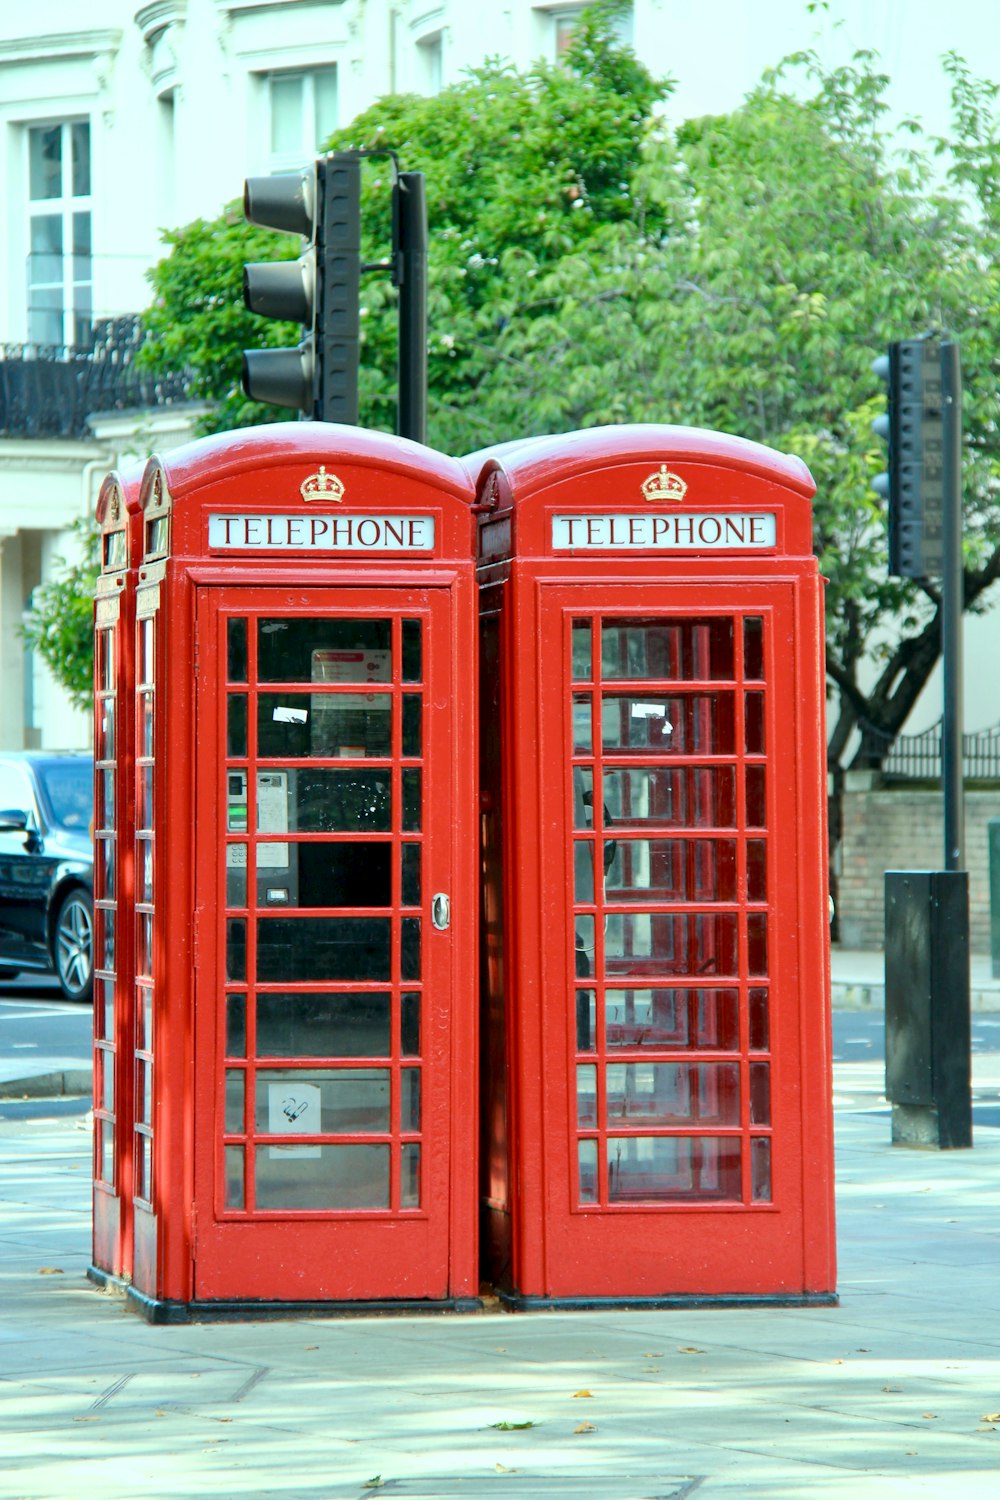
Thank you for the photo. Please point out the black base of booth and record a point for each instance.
(515, 1302)
(163, 1311)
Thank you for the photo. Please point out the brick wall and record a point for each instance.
(904, 830)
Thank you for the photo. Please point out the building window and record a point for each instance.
(566, 19)
(303, 114)
(430, 60)
(60, 260)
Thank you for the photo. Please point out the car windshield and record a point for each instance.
(69, 790)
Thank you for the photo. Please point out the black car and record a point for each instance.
(47, 867)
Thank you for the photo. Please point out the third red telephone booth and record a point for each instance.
(655, 943)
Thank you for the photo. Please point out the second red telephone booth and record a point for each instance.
(656, 1079)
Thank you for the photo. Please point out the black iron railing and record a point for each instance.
(917, 757)
(50, 391)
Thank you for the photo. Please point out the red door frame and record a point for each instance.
(354, 1255)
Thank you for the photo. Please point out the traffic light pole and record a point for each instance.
(952, 582)
(410, 204)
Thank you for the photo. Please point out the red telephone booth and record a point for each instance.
(656, 1083)
(304, 890)
(114, 612)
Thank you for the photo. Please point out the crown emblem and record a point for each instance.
(323, 486)
(662, 485)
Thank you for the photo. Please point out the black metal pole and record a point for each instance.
(411, 207)
(951, 606)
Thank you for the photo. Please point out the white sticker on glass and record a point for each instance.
(293, 1109)
(284, 715)
(650, 711)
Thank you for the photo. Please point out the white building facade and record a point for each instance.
(118, 120)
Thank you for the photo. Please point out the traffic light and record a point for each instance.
(319, 290)
(913, 484)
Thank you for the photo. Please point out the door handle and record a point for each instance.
(441, 911)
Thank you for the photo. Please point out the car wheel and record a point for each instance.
(73, 946)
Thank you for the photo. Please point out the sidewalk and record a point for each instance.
(858, 983)
(886, 1397)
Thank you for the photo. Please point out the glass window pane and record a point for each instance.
(144, 869)
(757, 942)
(286, 114)
(146, 660)
(106, 1084)
(583, 735)
(583, 797)
(46, 249)
(410, 1025)
(410, 877)
(321, 1177)
(409, 963)
(235, 1095)
(236, 948)
(45, 162)
(753, 648)
(236, 732)
(337, 725)
(236, 649)
(675, 651)
(586, 1021)
(673, 1093)
(316, 948)
(333, 875)
(760, 1169)
(308, 1101)
(107, 1150)
(696, 1019)
(587, 1169)
(146, 724)
(665, 1168)
(145, 1092)
(756, 800)
(324, 650)
(331, 1025)
(106, 997)
(325, 98)
(692, 943)
(412, 650)
(673, 870)
(586, 1094)
(411, 799)
(754, 726)
(81, 159)
(692, 724)
(236, 1025)
(760, 1093)
(235, 1190)
(675, 796)
(582, 651)
(410, 1102)
(322, 801)
(106, 949)
(759, 1026)
(412, 720)
(409, 1186)
(756, 870)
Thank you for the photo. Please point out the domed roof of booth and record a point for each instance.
(274, 444)
(534, 460)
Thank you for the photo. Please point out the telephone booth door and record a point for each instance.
(324, 1094)
(668, 746)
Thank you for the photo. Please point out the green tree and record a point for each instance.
(590, 264)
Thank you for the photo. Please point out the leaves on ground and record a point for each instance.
(585, 1427)
(513, 1426)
